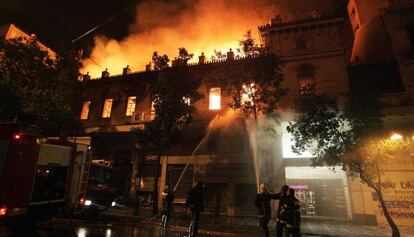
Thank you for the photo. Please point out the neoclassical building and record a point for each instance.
(322, 54)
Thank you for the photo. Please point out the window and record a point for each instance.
(306, 84)
(215, 98)
(85, 110)
(248, 92)
(106, 113)
(131, 103)
(187, 100)
(306, 78)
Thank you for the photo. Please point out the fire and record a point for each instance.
(215, 98)
(199, 26)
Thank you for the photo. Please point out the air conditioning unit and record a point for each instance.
(139, 117)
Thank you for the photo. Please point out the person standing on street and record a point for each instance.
(167, 201)
(262, 203)
(280, 213)
(293, 218)
(195, 203)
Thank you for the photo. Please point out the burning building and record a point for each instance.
(322, 54)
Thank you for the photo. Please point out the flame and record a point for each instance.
(215, 98)
(199, 26)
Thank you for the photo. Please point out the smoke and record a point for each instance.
(164, 26)
(290, 10)
(263, 136)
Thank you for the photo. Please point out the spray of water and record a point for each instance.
(251, 127)
(262, 135)
(263, 139)
(202, 142)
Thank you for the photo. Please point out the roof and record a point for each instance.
(11, 31)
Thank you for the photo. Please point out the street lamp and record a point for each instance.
(396, 137)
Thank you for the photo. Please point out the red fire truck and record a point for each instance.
(33, 175)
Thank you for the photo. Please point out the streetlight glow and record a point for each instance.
(396, 137)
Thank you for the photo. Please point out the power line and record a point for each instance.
(98, 26)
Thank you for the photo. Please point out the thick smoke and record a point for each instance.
(200, 26)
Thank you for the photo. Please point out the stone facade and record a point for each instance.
(321, 55)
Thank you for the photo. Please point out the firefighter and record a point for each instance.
(262, 203)
(167, 201)
(280, 214)
(293, 218)
(195, 203)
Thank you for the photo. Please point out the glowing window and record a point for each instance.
(85, 110)
(187, 100)
(287, 142)
(131, 103)
(215, 98)
(248, 92)
(306, 79)
(106, 113)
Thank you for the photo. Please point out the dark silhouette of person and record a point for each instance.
(292, 214)
(262, 203)
(167, 201)
(280, 216)
(195, 203)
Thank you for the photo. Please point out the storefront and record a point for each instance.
(323, 191)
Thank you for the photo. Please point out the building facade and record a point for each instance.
(321, 55)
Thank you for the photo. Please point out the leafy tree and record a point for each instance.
(183, 56)
(218, 56)
(174, 94)
(249, 48)
(256, 85)
(36, 90)
(353, 137)
(160, 61)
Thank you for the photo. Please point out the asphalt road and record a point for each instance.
(108, 230)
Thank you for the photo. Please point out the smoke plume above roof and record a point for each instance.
(164, 26)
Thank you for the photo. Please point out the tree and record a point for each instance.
(249, 48)
(218, 56)
(353, 137)
(184, 56)
(36, 90)
(256, 84)
(174, 94)
(160, 62)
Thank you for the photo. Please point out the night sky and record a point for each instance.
(57, 22)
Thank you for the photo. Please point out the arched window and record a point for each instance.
(306, 77)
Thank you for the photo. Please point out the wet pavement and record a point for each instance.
(112, 230)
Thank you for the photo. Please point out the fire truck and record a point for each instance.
(34, 176)
(103, 189)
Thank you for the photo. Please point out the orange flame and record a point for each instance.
(203, 26)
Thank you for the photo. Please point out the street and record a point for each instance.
(115, 230)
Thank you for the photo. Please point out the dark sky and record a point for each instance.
(57, 22)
